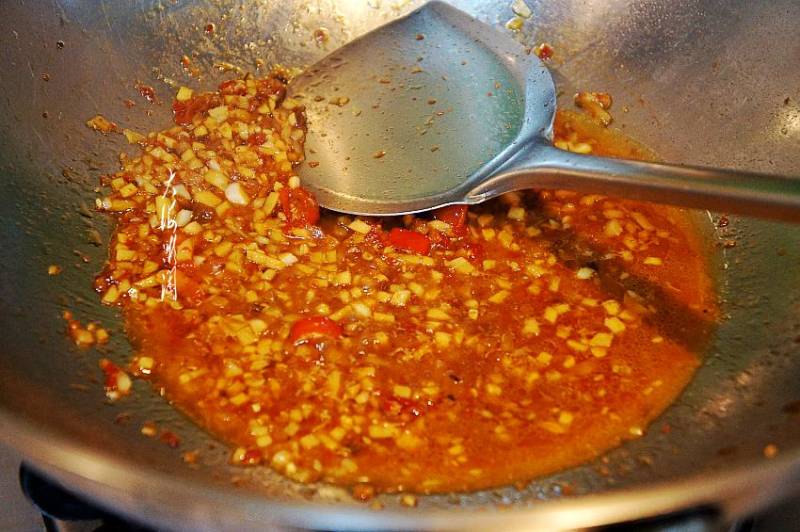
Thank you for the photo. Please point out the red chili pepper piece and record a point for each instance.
(544, 51)
(408, 240)
(147, 92)
(257, 139)
(111, 372)
(299, 206)
(305, 328)
(455, 215)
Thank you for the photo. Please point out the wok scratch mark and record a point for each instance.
(40, 137)
(44, 146)
(34, 85)
(104, 7)
(62, 11)
(115, 40)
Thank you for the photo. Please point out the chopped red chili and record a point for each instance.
(299, 206)
(455, 215)
(408, 240)
(307, 328)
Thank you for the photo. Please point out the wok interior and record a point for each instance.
(691, 81)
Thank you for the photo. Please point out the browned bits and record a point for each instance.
(102, 124)
(544, 51)
(147, 92)
(149, 429)
(321, 36)
(363, 492)
(188, 66)
(420, 37)
(770, 450)
(170, 438)
(408, 500)
(117, 383)
(191, 457)
(252, 457)
(603, 98)
(339, 100)
(84, 337)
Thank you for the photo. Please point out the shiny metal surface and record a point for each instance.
(18, 513)
(742, 110)
(540, 165)
(437, 108)
(433, 102)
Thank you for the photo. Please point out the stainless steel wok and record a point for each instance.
(703, 82)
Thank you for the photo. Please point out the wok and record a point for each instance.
(703, 82)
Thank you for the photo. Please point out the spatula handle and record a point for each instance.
(746, 193)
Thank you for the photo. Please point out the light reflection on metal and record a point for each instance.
(168, 223)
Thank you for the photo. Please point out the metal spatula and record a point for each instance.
(438, 108)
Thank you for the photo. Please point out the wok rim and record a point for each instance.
(735, 491)
(729, 495)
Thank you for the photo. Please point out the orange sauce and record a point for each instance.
(547, 330)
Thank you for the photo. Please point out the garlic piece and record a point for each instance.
(236, 194)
